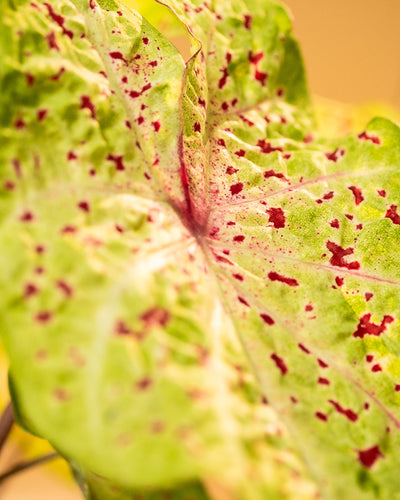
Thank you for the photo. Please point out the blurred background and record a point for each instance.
(351, 48)
(351, 51)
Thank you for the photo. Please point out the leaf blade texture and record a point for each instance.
(176, 240)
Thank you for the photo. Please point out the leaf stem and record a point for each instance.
(6, 422)
(27, 465)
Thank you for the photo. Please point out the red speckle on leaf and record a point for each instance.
(261, 77)
(41, 355)
(145, 40)
(134, 93)
(358, 197)
(369, 456)
(144, 384)
(65, 288)
(51, 41)
(58, 75)
(280, 92)
(272, 173)
(366, 137)
(376, 368)
(27, 217)
(84, 206)
(86, 103)
(118, 56)
(202, 102)
(231, 170)
(338, 254)
(128, 124)
(366, 327)
(68, 230)
(397, 387)
(321, 416)
(325, 197)
(223, 260)
(243, 301)
(17, 168)
(309, 307)
(267, 319)
(197, 127)
(240, 153)
(322, 364)
(224, 78)
(339, 281)
(71, 156)
(308, 138)
(304, 348)
(238, 277)
(273, 276)
(369, 358)
(117, 160)
(213, 233)
(60, 20)
(323, 381)
(60, 394)
(335, 155)
(276, 217)
(30, 290)
(121, 328)
(236, 188)
(381, 193)
(8, 185)
(19, 124)
(267, 148)
(156, 126)
(279, 363)
(392, 214)
(153, 64)
(239, 238)
(255, 58)
(246, 121)
(157, 427)
(349, 414)
(43, 317)
(225, 106)
(92, 4)
(368, 296)
(155, 317)
(41, 114)
(247, 21)
(221, 142)
(334, 223)
(30, 79)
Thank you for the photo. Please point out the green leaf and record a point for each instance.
(177, 240)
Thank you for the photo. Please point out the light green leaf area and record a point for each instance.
(176, 241)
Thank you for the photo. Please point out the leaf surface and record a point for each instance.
(156, 218)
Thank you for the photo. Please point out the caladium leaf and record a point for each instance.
(152, 214)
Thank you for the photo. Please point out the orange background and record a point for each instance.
(351, 48)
